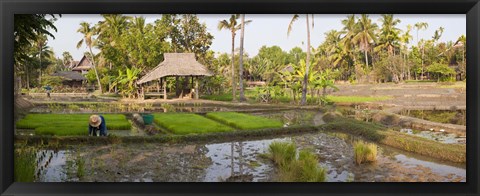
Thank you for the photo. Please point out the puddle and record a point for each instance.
(51, 166)
(245, 160)
(447, 138)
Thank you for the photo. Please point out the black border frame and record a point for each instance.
(10, 7)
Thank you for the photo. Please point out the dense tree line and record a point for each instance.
(363, 50)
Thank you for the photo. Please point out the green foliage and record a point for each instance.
(126, 82)
(25, 161)
(52, 80)
(185, 123)
(441, 71)
(244, 121)
(365, 152)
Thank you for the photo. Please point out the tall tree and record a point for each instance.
(419, 26)
(240, 75)
(366, 34)
(389, 34)
(405, 40)
(41, 43)
(25, 30)
(88, 38)
(232, 25)
(307, 64)
(67, 60)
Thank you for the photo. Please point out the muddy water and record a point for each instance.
(442, 137)
(213, 162)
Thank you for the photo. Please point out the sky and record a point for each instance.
(264, 29)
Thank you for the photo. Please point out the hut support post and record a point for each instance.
(164, 88)
(158, 86)
(196, 88)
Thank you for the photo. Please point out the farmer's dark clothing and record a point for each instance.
(102, 128)
(48, 89)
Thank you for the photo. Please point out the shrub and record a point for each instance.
(365, 152)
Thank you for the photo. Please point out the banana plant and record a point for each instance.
(126, 82)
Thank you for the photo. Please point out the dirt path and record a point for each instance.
(410, 95)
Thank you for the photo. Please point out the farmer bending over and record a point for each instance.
(97, 124)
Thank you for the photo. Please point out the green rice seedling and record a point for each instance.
(167, 107)
(292, 169)
(80, 162)
(244, 121)
(310, 171)
(73, 107)
(62, 131)
(365, 152)
(282, 153)
(185, 123)
(25, 164)
(32, 121)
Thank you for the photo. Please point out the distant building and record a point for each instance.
(71, 78)
(83, 66)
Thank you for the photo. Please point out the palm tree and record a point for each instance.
(419, 26)
(350, 29)
(389, 35)
(405, 40)
(233, 26)
(88, 33)
(307, 64)
(438, 33)
(41, 43)
(242, 34)
(365, 35)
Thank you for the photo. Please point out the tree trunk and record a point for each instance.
(423, 72)
(366, 56)
(96, 73)
(234, 83)
(240, 75)
(40, 67)
(307, 64)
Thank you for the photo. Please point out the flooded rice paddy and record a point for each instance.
(215, 162)
(240, 160)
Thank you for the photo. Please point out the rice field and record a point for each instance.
(244, 121)
(68, 124)
(185, 123)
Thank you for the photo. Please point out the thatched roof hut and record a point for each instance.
(70, 75)
(176, 64)
(71, 78)
(83, 66)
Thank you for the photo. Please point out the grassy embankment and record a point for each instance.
(380, 134)
(252, 97)
(68, 124)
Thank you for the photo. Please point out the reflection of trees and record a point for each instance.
(240, 160)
